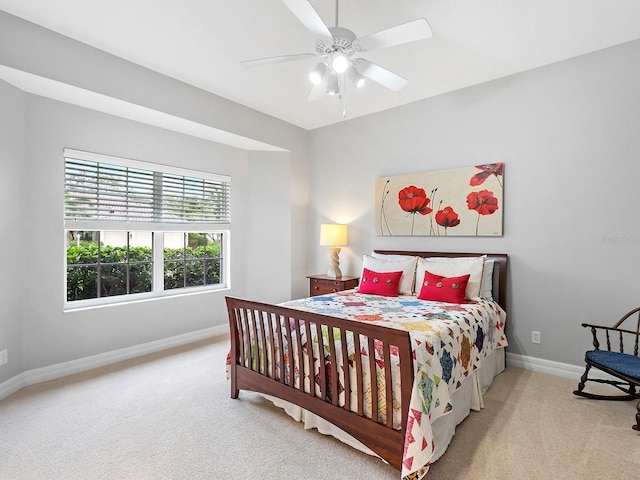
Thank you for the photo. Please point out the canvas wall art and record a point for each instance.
(466, 201)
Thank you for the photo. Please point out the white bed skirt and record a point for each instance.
(468, 397)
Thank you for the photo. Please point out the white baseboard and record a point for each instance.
(59, 370)
(539, 365)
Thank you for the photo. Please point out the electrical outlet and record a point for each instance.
(535, 336)
(3, 357)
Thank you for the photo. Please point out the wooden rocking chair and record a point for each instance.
(624, 367)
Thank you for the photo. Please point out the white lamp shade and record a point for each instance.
(333, 234)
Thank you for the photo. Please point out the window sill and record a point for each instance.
(91, 305)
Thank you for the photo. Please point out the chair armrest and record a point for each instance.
(615, 332)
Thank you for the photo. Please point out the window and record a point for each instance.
(108, 263)
(191, 259)
(143, 230)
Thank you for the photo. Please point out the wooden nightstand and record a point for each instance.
(323, 284)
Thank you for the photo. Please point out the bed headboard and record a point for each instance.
(499, 268)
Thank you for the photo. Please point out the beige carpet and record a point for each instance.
(169, 416)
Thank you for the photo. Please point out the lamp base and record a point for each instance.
(334, 263)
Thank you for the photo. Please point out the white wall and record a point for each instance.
(29, 48)
(259, 246)
(568, 135)
(53, 336)
(270, 208)
(33, 326)
(12, 140)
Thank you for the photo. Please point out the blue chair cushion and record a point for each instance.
(624, 363)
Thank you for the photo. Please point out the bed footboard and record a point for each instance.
(271, 354)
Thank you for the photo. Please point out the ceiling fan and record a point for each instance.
(336, 46)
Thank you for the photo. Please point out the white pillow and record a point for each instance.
(473, 266)
(407, 267)
(393, 258)
(486, 289)
(486, 284)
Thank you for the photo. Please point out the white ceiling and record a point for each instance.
(202, 42)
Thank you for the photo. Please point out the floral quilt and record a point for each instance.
(449, 342)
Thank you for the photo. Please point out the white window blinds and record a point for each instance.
(97, 190)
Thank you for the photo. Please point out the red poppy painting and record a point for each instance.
(486, 172)
(461, 201)
(482, 202)
(447, 218)
(414, 200)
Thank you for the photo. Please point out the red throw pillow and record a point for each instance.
(385, 284)
(443, 289)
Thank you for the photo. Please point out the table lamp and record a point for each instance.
(333, 235)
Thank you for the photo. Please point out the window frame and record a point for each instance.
(156, 228)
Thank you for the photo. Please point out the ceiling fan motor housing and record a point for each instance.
(342, 42)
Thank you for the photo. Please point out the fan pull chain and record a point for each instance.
(344, 107)
(343, 96)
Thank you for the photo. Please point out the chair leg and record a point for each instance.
(623, 385)
(583, 381)
(636, 427)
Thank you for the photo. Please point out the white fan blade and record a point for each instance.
(384, 77)
(309, 17)
(406, 33)
(279, 59)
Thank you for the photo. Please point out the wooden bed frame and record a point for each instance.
(254, 369)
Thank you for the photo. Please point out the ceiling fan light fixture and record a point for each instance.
(333, 87)
(317, 74)
(339, 63)
(336, 48)
(355, 76)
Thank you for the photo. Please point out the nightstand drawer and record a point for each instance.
(323, 285)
